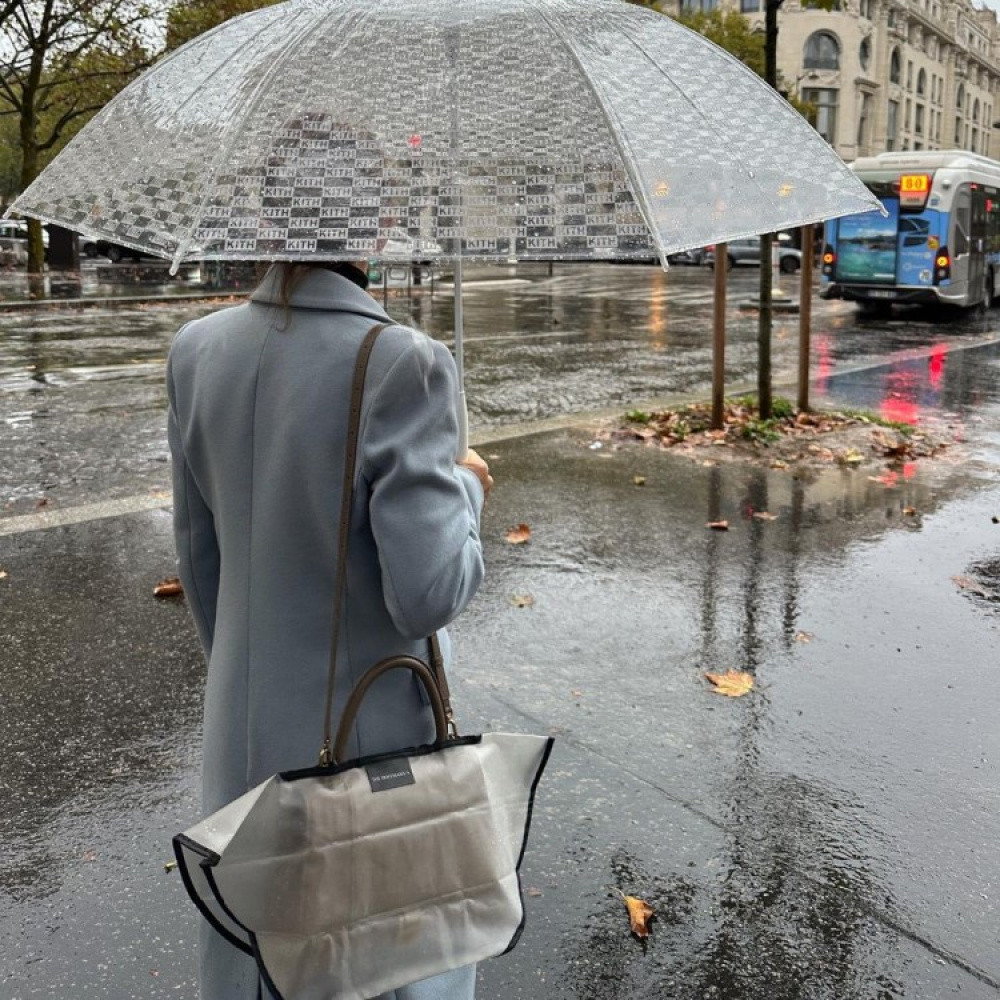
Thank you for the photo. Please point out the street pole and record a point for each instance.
(805, 316)
(764, 318)
(719, 338)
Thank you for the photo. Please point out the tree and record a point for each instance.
(64, 60)
(730, 31)
(191, 18)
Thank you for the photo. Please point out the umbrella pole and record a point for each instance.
(463, 409)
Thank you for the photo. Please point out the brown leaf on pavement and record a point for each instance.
(803, 637)
(763, 515)
(733, 683)
(170, 587)
(3, 574)
(910, 511)
(639, 480)
(718, 525)
(519, 535)
(522, 600)
(640, 913)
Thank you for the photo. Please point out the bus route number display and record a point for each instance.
(913, 190)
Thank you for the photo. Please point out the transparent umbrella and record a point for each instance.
(496, 129)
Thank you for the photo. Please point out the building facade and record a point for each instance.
(889, 74)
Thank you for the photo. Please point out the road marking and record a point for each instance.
(85, 512)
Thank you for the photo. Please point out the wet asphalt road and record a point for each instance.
(833, 835)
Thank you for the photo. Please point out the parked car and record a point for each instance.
(695, 256)
(747, 251)
(116, 252)
(14, 239)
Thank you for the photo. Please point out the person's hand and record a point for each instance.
(475, 463)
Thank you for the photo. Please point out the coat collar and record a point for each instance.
(319, 289)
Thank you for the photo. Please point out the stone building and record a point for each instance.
(890, 74)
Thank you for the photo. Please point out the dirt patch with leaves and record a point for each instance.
(788, 438)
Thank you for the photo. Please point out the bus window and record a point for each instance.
(962, 216)
(914, 231)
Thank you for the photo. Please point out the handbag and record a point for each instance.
(353, 878)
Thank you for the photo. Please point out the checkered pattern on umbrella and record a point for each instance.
(319, 129)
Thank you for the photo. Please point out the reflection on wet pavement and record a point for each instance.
(585, 338)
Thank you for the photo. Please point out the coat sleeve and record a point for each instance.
(194, 533)
(424, 509)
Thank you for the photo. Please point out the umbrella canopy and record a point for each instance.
(555, 129)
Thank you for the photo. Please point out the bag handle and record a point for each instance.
(372, 674)
(326, 756)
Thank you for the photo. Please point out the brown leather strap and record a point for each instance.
(372, 674)
(326, 756)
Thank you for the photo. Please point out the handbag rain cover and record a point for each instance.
(345, 882)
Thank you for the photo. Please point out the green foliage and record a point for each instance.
(870, 417)
(637, 416)
(732, 32)
(190, 18)
(764, 431)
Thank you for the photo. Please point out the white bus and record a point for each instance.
(940, 242)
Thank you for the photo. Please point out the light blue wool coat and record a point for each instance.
(257, 429)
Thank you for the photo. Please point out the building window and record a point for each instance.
(975, 110)
(906, 115)
(691, 6)
(918, 119)
(863, 120)
(822, 51)
(824, 117)
(909, 75)
(865, 52)
(921, 83)
(749, 6)
(891, 19)
(960, 97)
(892, 123)
(895, 66)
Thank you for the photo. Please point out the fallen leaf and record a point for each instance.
(910, 511)
(763, 515)
(967, 583)
(519, 535)
(779, 464)
(640, 913)
(522, 600)
(169, 866)
(803, 637)
(852, 457)
(733, 683)
(170, 587)
(90, 855)
(44, 502)
(718, 525)
(3, 574)
(576, 693)
(639, 480)
(531, 891)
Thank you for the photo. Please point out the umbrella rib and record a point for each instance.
(775, 97)
(624, 145)
(253, 103)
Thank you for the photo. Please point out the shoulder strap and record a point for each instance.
(350, 462)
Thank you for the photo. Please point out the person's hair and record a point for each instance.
(291, 275)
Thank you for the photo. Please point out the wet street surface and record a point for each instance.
(831, 836)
